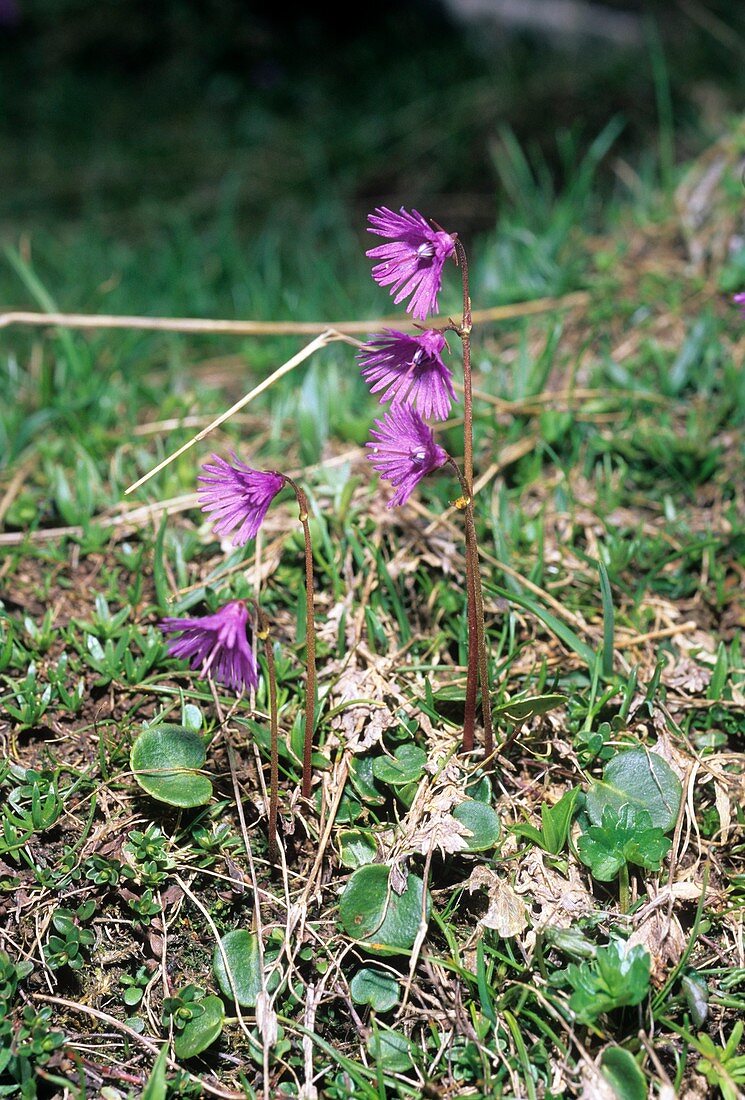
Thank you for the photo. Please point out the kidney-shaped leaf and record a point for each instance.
(374, 914)
(481, 821)
(641, 779)
(241, 949)
(167, 761)
(405, 766)
(375, 988)
(391, 1050)
(202, 1031)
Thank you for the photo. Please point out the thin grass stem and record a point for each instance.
(263, 634)
(310, 641)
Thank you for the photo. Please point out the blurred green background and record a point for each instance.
(190, 137)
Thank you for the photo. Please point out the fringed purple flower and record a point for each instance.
(413, 261)
(410, 371)
(739, 299)
(404, 451)
(217, 646)
(237, 496)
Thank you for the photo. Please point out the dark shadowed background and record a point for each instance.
(128, 115)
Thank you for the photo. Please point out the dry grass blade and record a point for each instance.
(305, 353)
(218, 327)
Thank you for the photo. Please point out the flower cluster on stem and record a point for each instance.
(409, 372)
(237, 497)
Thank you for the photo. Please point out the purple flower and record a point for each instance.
(739, 300)
(412, 263)
(404, 451)
(410, 370)
(217, 646)
(237, 496)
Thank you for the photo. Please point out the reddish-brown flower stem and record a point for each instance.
(472, 674)
(262, 632)
(475, 607)
(465, 334)
(310, 642)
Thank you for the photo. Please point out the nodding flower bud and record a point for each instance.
(412, 263)
(409, 370)
(237, 497)
(404, 451)
(217, 646)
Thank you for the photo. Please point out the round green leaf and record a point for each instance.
(390, 1050)
(641, 779)
(362, 778)
(374, 914)
(479, 788)
(405, 766)
(482, 821)
(167, 761)
(202, 1031)
(375, 988)
(357, 846)
(241, 949)
(623, 1074)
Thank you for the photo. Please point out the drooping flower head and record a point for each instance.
(739, 300)
(412, 262)
(235, 496)
(410, 371)
(404, 451)
(217, 646)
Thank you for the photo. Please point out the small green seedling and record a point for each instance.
(616, 977)
(555, 824)
(723, 1067)
(624, 837)
(66, 948)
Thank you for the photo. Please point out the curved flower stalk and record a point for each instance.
(217, 646)
(410, 370)
(237, 498)
(412, 263)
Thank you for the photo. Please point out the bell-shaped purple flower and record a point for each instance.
(404, 451)
(410, 371)
(412, 262)
(237, 497)
(217, 646)
(739, 299)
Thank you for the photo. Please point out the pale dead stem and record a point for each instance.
(421, 935)
(15, 484)
(207, 326)
(148, 1044)
(326, 337)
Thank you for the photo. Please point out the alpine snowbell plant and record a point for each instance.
(238, 497)
(410, 371)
